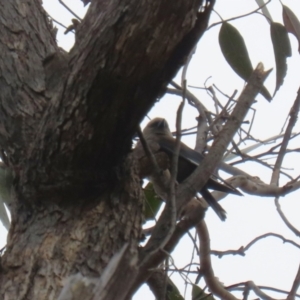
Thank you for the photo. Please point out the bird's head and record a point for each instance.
(157, 126)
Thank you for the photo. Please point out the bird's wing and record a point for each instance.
(195, 158)
(185, 152)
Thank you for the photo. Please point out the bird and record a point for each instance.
(157, 132)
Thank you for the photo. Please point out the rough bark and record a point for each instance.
(135, 48)
(66, 125)
(49, 242)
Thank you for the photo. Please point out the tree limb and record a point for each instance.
(194, 183)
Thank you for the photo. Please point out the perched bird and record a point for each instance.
(157, 133)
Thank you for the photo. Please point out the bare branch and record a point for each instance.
(295, 286)
(255, 186)
(287, 136)
(242, 250)
(194, 215)
(239, 287)
(202, 119)
(206, 269)
(57, 22)
(69, 9)
(241, 16)
(193, 100)
(170, 208)
(285, 219)
(258, 291)
(246, 157)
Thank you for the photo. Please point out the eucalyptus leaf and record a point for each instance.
(282, 50)
(291, 23)
(6, 179)
(235, 51)
(236, 54)
(173, 292)
(198, 294)
(153, 202)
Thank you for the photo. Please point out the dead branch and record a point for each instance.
(285, 219)
(287, 136)
(242, 250)
(206, 268)
(295, 286)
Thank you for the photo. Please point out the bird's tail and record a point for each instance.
(219, 210)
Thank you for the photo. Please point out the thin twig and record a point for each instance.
(285, 219)
(246, 157)
(186, 65)
(192, 99)
(174, 170)
(202, 128)
(195, 249)
(69, 9)
(238, 17)
(212, 282)
(258, 291)
(242, 250)
(293, 119)
(239, 287)
(295, 286)
(246, 292)
(62, 25)
(151, 254)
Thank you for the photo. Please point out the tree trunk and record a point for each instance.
(66, 125)
(50, 242)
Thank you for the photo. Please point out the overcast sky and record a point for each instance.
(269, 262)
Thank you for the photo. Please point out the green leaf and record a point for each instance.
(6, 181)
(282, 50)
(291, 23)
(153, 202)
(236, 54)
(198, 294)
(234, 50)
(173, 292)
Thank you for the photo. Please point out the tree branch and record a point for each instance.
(206, 269)
(287, 136)
(241, 251)
(194, 183)
(295, 286)
(285, 219)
